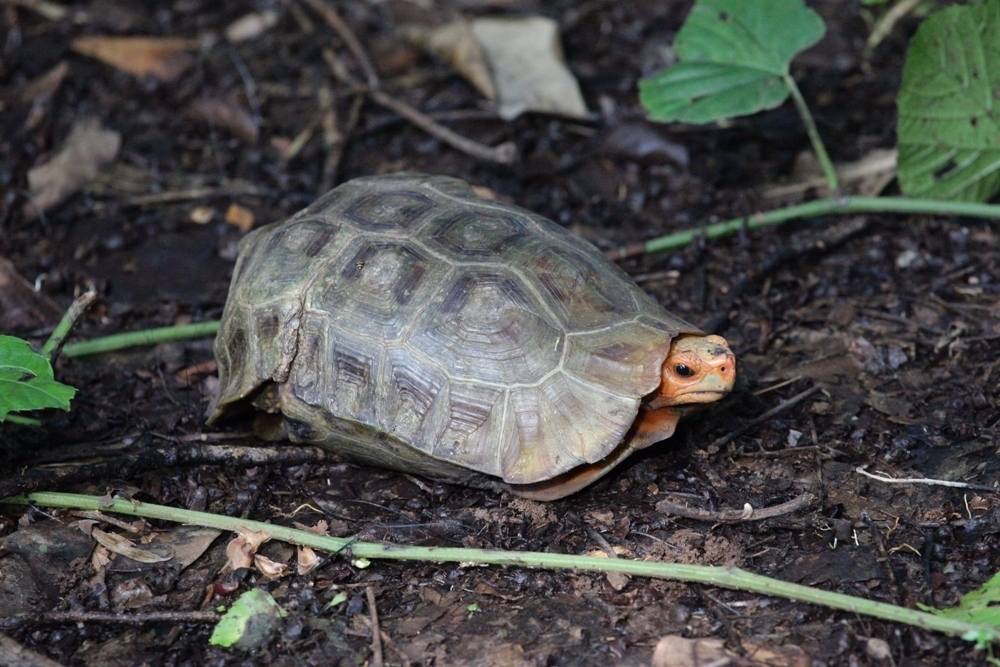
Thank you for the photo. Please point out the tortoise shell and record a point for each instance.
(404, 321)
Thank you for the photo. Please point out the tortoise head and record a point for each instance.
(698, 369)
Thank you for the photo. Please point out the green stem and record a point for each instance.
(832, 205)
(66, 324)
(817, 142)
(718, 576)
(18, 419)
(144, 337)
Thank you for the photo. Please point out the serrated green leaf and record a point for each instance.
(26, 380)
(732, 57)
(981, 606)
(949, 122)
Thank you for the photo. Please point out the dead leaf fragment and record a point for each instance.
(164, 58)
(456, 44)
(123, 547)
(226, 114)
(251, 26)
(675, 651)
(21, 307)
(86, 150)
(529, 70)
(269, 568)
(306, 560)
(240, 217)
(518, 62)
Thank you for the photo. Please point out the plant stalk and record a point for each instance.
(829, 206)
(713, 575)
(144, 337)
(817, 142)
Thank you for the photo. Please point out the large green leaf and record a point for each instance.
(732, 58)
(949, 127)
(981, 606)
(26, 380)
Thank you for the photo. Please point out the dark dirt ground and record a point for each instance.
(895, 319)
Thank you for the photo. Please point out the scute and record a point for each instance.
(485, 325)
(409, 323)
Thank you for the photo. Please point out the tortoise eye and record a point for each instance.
(683, 371)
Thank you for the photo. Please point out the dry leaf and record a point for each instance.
(239, 554)
(674, 651)
(251, 26)
(165, 58)
(21, 307)
(269, 568)
(321, 527)
(86, 150)
(866, 177)
(306, 560)
(456, 44)
(529, 71)
(782, 655)
(240, 217)
(124, 547)
(201, 215)
(228, 115)
(518, 62)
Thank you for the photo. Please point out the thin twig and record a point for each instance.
(748, 513)
(601, 542)
(376, 633)
(333, 19)
(795, 400)
(131, 618)
(505, 153)
(129, 465)
(926, 480)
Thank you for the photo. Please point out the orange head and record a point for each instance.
(699, 369)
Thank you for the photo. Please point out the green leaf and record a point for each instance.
(981, 606)
(249, 623)
(26, 380)
(733, 57)
(949, 125)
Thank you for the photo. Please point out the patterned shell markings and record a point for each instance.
(476, 332)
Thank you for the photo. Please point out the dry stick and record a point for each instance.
(131, 618)
(376, 633)
(124, 467)
(926, 480)
(733, 516)
(333, 20)
(601, 541)
(505, 153)
(729, 437)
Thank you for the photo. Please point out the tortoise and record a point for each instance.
(404, 321)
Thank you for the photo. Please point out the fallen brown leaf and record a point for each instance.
(675, 651)
(86, 150)
(164, 58)
(240, 217)
(226, 114)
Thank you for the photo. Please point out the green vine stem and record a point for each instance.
(66, 324)
(814, 138)
(829, 206)
(144, 337)
(717, 576)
